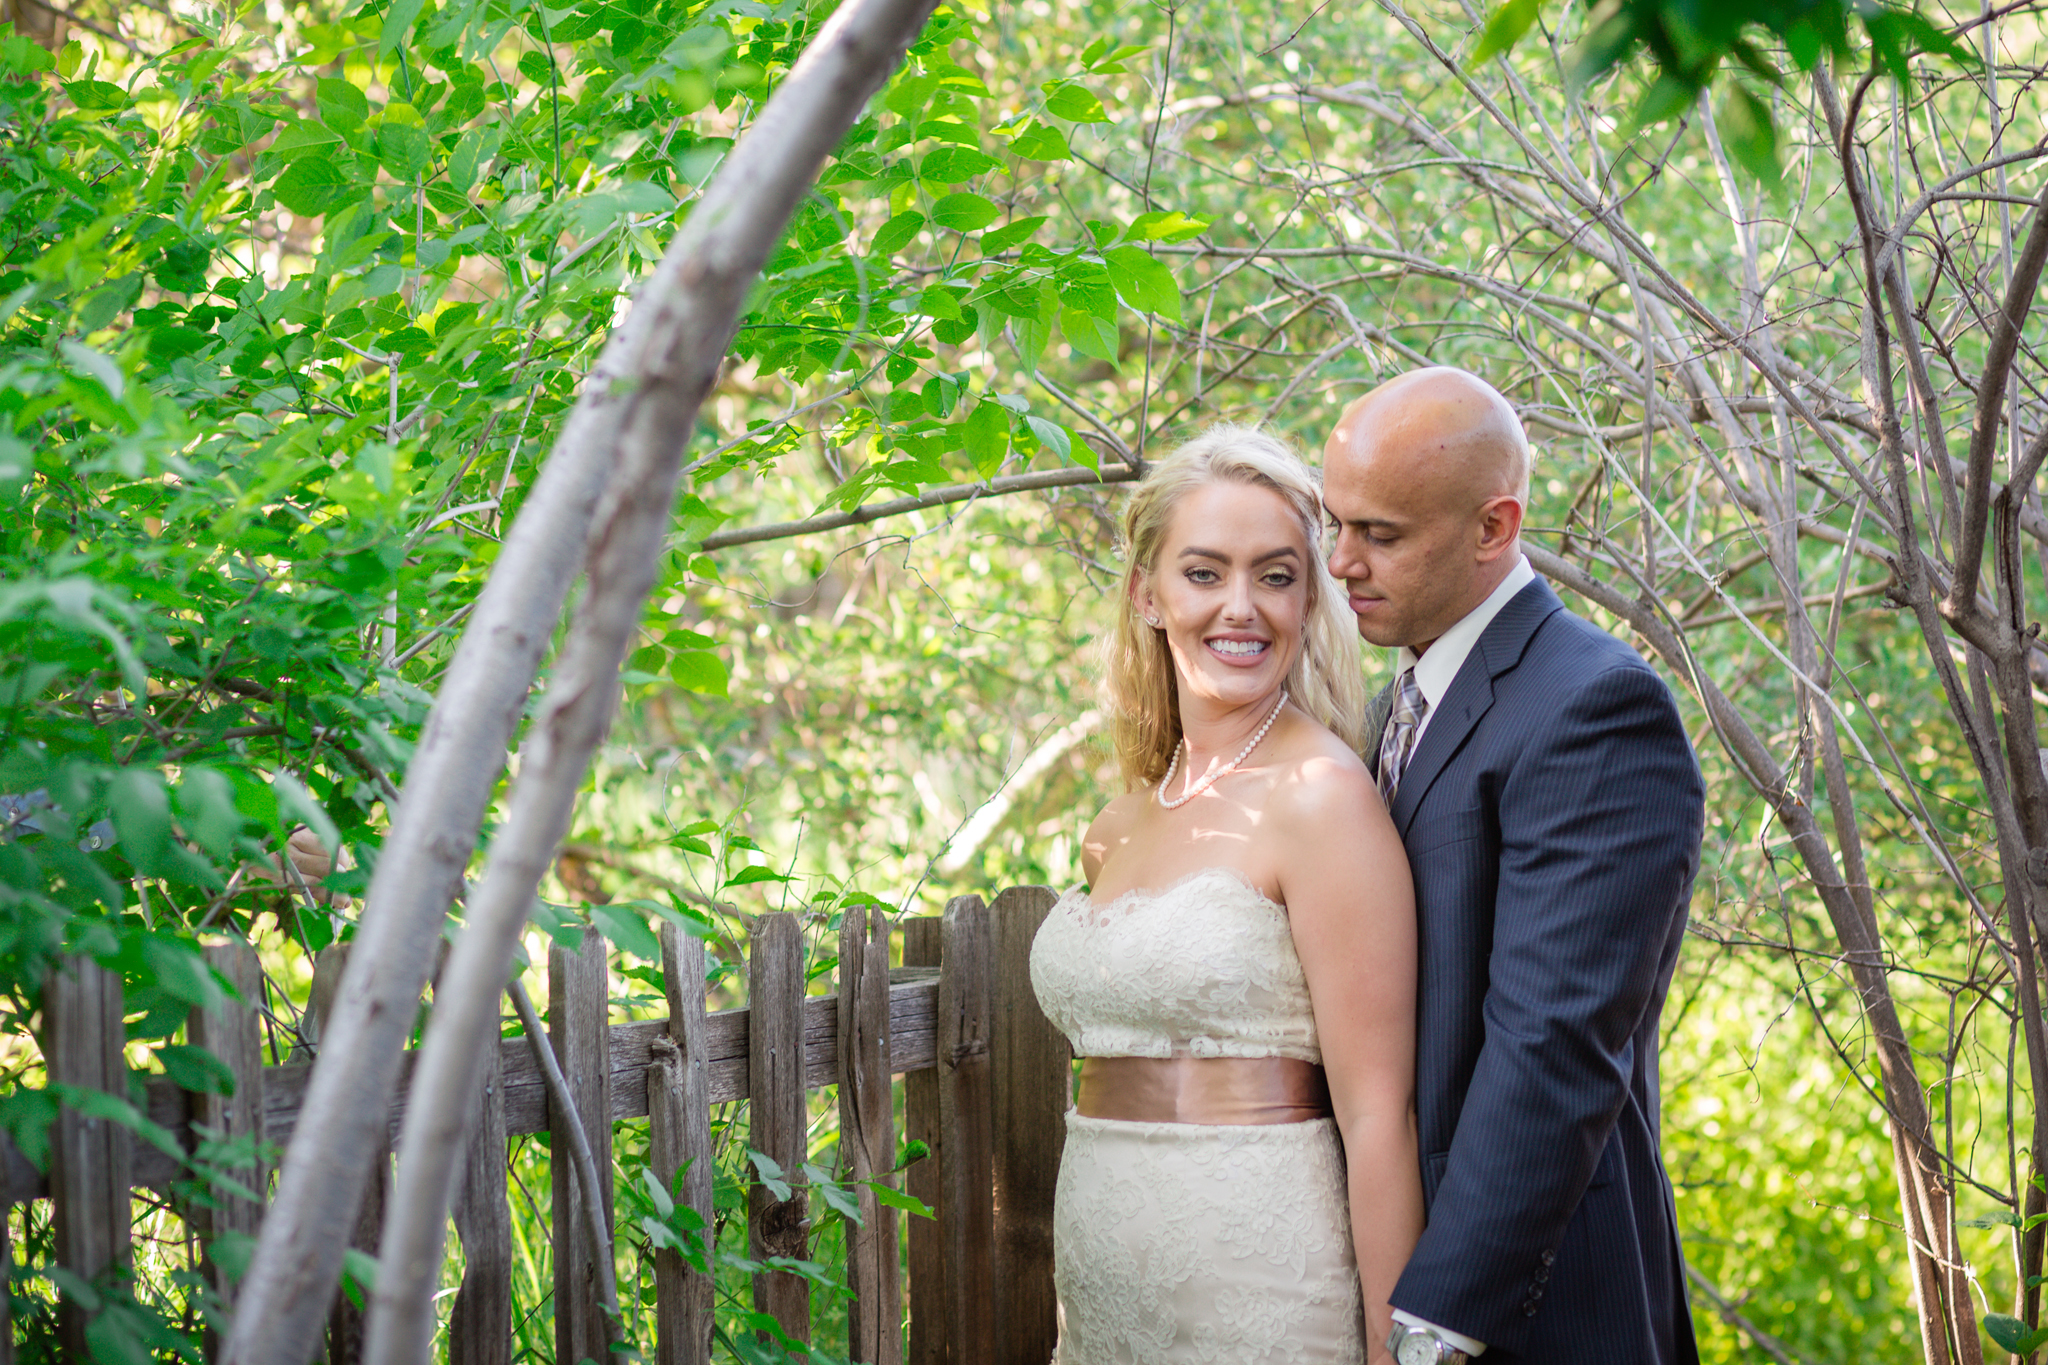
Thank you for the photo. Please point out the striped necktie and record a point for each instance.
(1397, 742)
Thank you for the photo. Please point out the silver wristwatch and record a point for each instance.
(1411, 1345)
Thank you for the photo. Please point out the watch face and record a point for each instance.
(1416, 1349)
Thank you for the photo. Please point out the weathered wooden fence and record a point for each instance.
(986, 1088)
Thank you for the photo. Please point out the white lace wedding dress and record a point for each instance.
(1185, 1242)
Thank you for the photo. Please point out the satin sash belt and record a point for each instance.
(1220, 1090)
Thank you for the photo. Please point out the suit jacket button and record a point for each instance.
(1549, 1258)
(1543, 1275)
(1528, 1310)
(1536, 1293)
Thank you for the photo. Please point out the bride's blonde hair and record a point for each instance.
(1327, 680)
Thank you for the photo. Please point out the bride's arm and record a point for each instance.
(1352, 907)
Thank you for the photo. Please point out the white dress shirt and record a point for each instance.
(1435, 670)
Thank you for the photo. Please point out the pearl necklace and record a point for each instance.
(1242, 754)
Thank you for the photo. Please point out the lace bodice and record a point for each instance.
(1204, 967)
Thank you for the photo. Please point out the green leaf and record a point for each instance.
(1167, 227)
(897, 233)
(2014, 1335)
(1144, 283)
(141, 808)
(358, 1274)
(748, 876)
(699, 670)
(1010, 234)
(1089, 335)
(181, 972)
(206, 809)
(838, 1200)
(985, 436)
(770, 1172)
(1038, 141)
(195, 1069)
(299, 139)
(111, 1339)
(1057, 439)
(964, 212)
(341, 105)
(2004, 1218)
(97, 97)
(398, 22)
(940, 393)
(949, 165)
(312, 186)
(403, 149)
(897, 1199)
(1504, 28)
(625, 928)
(1747, 131)
(1074, 103)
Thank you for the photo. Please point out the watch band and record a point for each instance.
(1411, 1345)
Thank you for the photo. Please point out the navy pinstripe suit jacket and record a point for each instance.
(1552, 814)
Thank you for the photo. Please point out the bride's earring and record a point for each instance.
(1152, 621)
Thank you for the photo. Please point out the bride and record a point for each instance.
(1239, 975)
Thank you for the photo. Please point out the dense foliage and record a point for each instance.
(294, 302)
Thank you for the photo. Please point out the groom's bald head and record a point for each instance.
(1426, 477)
(1443, 426)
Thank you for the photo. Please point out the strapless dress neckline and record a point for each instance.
(1186, 879)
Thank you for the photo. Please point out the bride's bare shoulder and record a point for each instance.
(1110, 831)
(1324, 777)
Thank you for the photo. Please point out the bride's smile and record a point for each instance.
(1230, 593)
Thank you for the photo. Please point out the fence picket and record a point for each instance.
(89, 1157)
(922, 947)
(867, 1139)
(480, 1324)
(231, 1033)
(1033, 1066)
(775, 1227)
(679, 1136)
(966, 1125)
(345, 1321)
(578, 1002)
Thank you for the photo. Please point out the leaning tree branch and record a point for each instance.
(1985, 423)
(645, 416)
(937, 497)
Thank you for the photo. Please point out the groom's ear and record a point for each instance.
(1500, 523)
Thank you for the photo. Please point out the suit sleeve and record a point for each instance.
(1600, 821)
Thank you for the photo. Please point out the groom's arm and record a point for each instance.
(1600, 822)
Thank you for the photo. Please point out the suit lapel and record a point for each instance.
(1499, 649)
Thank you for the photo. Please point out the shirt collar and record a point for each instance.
(1438, 668)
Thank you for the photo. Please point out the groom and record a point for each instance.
(1552, 809)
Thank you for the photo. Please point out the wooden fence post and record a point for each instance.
(679, 1134)
(231, 1033)
(1033, 1082)
(966, 1123)
(867, 1139)
(775, 1087)
(480, 1324)
(922, 948)
(579, 1002)
(346, 1323)
(90, 1158)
